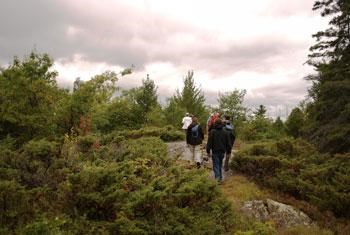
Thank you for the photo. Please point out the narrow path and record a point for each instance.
(180, 150)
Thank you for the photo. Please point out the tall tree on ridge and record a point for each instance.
(328, 115)
(191, 98)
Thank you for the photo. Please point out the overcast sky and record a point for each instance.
(259, 46)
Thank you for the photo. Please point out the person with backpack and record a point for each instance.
(230, 132)
(194, 138)
(218, 144)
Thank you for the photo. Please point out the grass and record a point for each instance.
(239, 189)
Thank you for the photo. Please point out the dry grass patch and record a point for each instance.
(239, 189)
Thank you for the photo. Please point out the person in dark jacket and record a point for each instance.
(194, 138)
(230, 131)
(218, 144)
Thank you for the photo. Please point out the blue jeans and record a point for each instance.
(217, 165)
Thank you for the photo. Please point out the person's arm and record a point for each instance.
(234, 136)
(201, 133)
(209, 143)
(228, 144)
(188, 133)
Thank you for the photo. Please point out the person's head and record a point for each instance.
(227, 118)
(218, 122)
(187, 114)
(194, 120)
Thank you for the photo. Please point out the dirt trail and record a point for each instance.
(179, 149)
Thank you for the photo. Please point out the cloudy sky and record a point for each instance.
(259, 46)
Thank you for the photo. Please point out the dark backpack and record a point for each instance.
(194, 131)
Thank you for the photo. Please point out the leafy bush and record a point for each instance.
(167, 133)
(85, 143)
(295, 167)
(130, 186)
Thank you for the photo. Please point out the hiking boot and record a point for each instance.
(198, 165)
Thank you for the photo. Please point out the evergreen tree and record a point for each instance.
(84, 105)
(329, 112)
(146, 97)
(174, 113)
(191, 98)
(279, 126)
(260, 112)
(28, 98)
(295, 123)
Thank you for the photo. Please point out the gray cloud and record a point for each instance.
(125, 35)
(128, 36)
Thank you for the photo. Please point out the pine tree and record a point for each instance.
(295, 122)
(28, 98)
(146, 97)
(329, 112)
(191, 98)
(260, 112)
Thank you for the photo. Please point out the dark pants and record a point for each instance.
(217, 165)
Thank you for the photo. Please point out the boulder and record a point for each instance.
(281, 214)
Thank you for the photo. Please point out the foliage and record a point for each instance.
(118, 115)
(174, 113)
(191, 98)
(260, 112)
(295, 167)
(87, 98)
(231, 104)
(279, 127)
(295, 123)
(328, 112)
(28, 92)
(156, 117)
(259, 228)
(260, 128)
(129, 186)
(147, 97)
(167, 133)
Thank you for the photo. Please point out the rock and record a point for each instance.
(283, 215)
(256, 209)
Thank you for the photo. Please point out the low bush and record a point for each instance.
(129, 186)
(296, 168)
(167, 133)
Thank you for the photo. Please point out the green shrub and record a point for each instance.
(129, 187)
(259, 228)
(42, 149)
(142, 197)
(85, 143)
(167, 133)
(294, 167)
(15, 208)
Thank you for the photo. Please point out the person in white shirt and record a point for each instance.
(186, 121)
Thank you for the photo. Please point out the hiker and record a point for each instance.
(194, 138)
(212, 120)
(186, 121)
(218, 144)
(230, 132)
